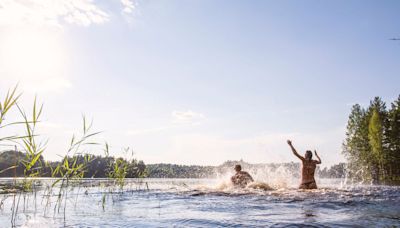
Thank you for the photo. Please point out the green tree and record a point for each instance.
(377, 124)
(372, 144)
(375, 135)
(356, 147)
(393, 142)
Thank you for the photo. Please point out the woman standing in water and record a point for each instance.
(308, 168)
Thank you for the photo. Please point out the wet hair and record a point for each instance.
(238, 167)
(308, 154)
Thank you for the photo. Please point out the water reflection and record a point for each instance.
(309, 214)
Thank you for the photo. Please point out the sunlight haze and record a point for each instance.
(200, 82)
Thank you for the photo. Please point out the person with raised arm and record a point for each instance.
(308, 168)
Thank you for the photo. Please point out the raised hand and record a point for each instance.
(294, 150)
(319, 159)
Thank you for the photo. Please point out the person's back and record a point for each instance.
(307, 169)
(241, 178)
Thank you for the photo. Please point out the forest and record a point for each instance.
(372, 143)
(93, 166)
(193, 171)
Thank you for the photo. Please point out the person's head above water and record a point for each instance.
(238, 168)
(308, 155)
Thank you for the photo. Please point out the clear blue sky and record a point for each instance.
(201, 82)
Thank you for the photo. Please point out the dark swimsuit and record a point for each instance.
(308, 185)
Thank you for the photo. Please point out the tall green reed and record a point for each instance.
(31, 146)
(118, 168)
(70, 170)
(9, 101)
(65, 173)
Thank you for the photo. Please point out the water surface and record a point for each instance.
(205, 203)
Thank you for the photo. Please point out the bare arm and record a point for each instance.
(294, 150)
(316, 155)
(250, 177)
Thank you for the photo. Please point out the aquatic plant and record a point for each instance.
(67, 170)
(119, 167)
(9, 101)
(33, 149)
(66, 173)
(118, 172)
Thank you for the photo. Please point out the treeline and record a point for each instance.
(335, 171)
(372, 144)
(11, 165)
(194, 171)
(179, 171)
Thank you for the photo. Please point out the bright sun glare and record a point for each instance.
(36, 58)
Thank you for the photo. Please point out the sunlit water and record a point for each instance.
(205, 203)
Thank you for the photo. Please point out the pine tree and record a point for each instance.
(356, 147)
(375, 135)
(377, 123)
(393, 141)
(372, 144)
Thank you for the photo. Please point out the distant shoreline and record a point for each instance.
(98, 167)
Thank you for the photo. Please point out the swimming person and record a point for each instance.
(308, 168)
(241, 178)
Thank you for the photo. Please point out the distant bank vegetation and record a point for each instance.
(194, 171)
(94, 166)
(372, 144)
(101, 167)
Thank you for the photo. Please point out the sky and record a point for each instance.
(199, 82)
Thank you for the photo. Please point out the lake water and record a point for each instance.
(204, 203)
